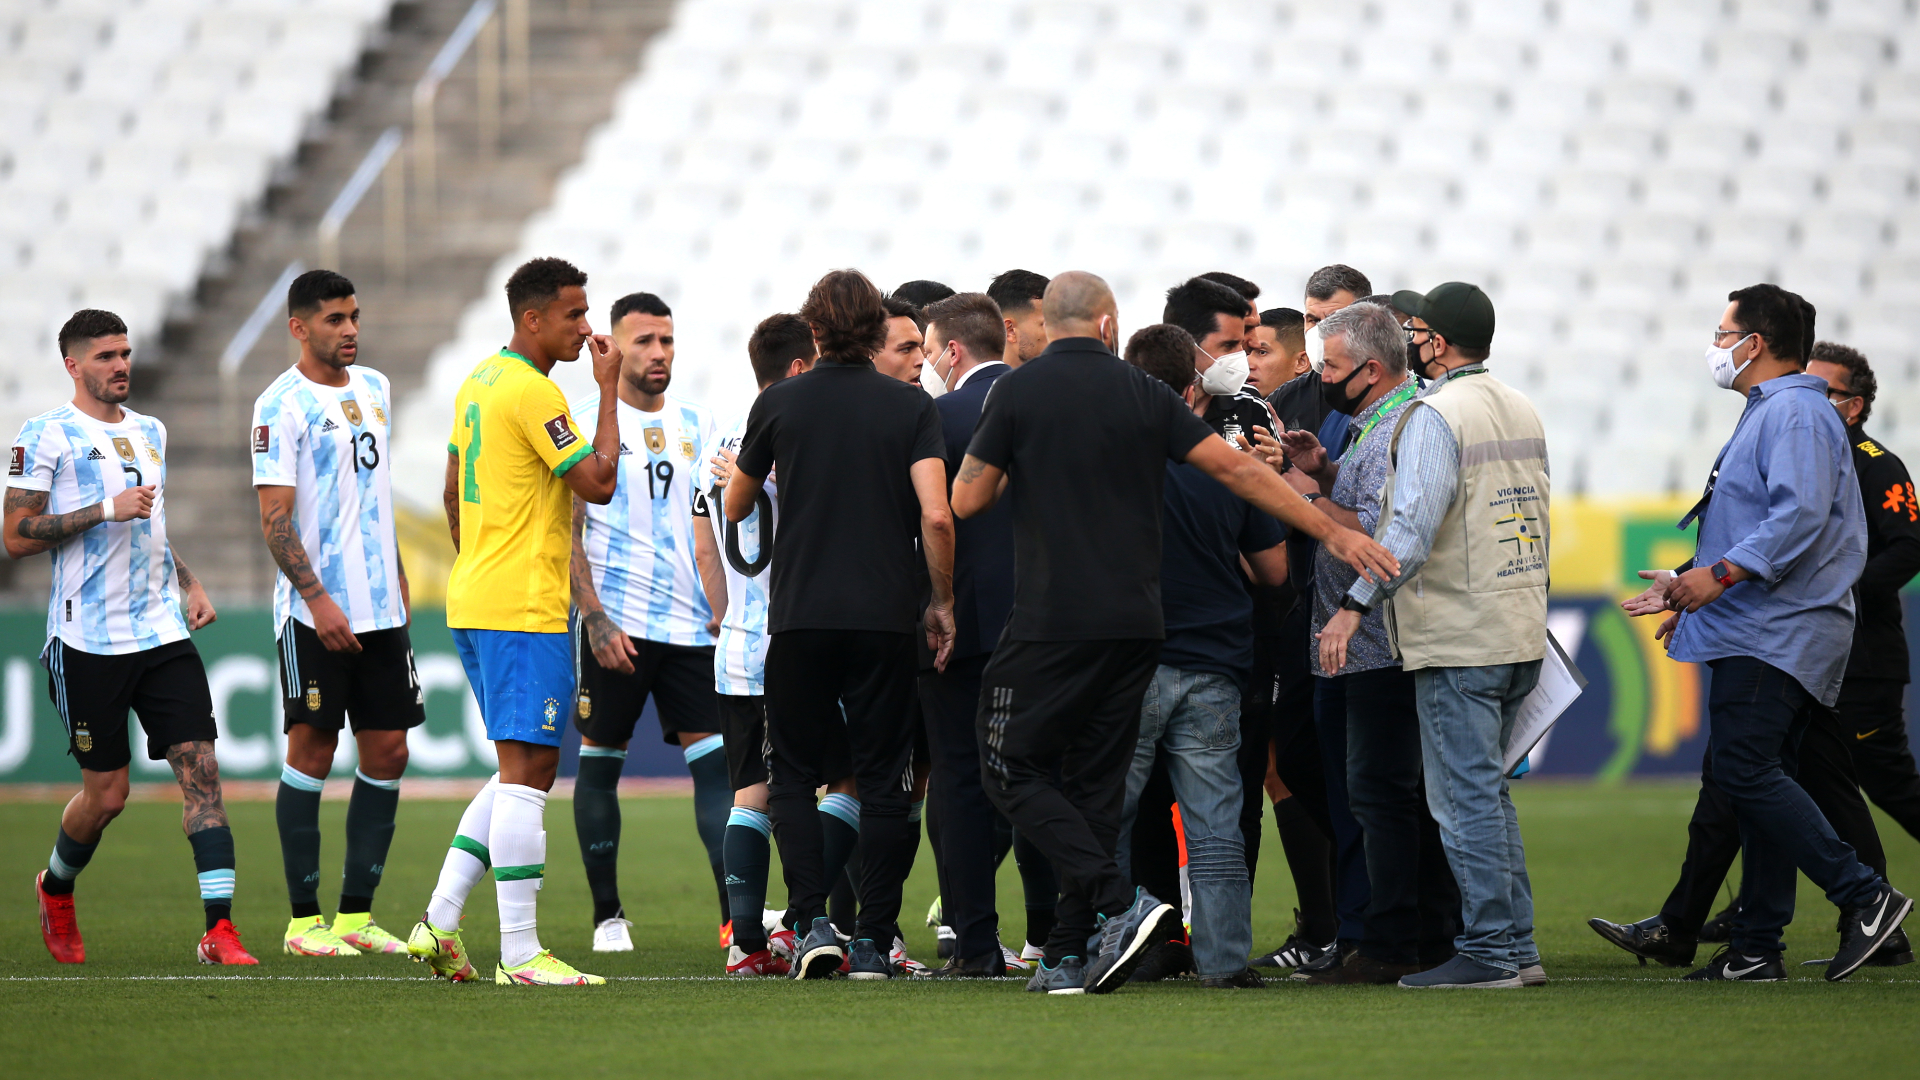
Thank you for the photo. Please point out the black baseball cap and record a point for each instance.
(1459, 311)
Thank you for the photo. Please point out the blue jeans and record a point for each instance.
(1466, 717)
(1195, 717)
(1756, 714)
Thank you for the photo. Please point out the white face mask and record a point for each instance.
(931, 380)
(1227, 375)
(1720, 362)
(1316, 350)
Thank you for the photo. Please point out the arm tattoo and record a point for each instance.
(970, 469)
(184, 575)
(579, 571)
(291, 555)
(24, 499)
(49, 528)
(600, 629)
(199, 775)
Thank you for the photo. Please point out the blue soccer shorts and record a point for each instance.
(523, 682)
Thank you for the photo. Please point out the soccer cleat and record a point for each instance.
(1730, 966)
(1030, 953)
(1865, 928)
(312, 937)
(442, 951)
(1068, 978)
(221, 945)
(1017, 961)
(726, 936)
(360, 931)
(58, 927)
(935, 913)
(613, 935)
(904, 964)
(1125, 939)
(821, 953)
(544, 970)
(865, 962)
(1648, 939)
(751, 964)
(784, 944)
(946, 942)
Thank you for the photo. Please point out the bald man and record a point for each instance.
(1064, 688)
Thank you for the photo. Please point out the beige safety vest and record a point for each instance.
(1481, 598)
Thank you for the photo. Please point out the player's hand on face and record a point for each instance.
(331, 626)
(1654, 599)
(199, 609)
(940, 634)
(610, 644)
(134, 502)
(606, 358)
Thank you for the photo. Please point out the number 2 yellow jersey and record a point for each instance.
(514, 439)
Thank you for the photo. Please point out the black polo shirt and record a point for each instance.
(1893, 556)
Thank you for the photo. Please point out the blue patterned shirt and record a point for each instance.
(1363, 472)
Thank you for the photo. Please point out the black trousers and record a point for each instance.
(1825, 772)
(811, 676)
(950, 702)
(1413, 910)
(1300, 765)
(1256, 736)
(1069, 709)
(1874, 712)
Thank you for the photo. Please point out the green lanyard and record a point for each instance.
(1405, 393)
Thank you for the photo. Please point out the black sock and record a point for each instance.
(839, 837)
(296, 808)
(843, 906)
(369, 833)
(69, 858)
(746, 850)
(712, 802)
(213, 863)
(1309, 857)
(596, 817)
(1039, 887)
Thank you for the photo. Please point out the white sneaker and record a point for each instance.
(1014, 961)
(903, 964)
(612, 935)
(1031, 954)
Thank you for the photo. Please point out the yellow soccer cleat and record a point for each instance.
(360, 931)
(311, 937)
(545, 970)
(441, 950)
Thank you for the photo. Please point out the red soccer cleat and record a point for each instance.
(726, 934)
(784, 944)
(222, 946)
(58, 928)
(759, 963)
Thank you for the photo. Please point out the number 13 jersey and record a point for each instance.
(330, 444)
(640, 545)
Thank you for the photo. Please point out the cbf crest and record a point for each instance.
(352, 409)
(656, 439)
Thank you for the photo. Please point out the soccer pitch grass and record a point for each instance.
(141, 1005)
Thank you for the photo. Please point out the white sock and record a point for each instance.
(467, 860)
(519, 865)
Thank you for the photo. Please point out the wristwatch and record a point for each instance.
(1348, 603)
(1722, 572)
(1312, 496)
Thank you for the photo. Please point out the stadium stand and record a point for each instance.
(134, 135)
(1608, 169)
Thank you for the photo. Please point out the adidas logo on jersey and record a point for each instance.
(329, 425)
(94, 454)
(624, 451)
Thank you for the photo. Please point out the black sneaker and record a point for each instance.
(865, 961)
(1866, 928)
(1896, 952)
(1295, 952)
(1719, 929)
(1068, 978)
(1245, 980)
(1333, 956)
(1167, 960)
(820, 953)
(1125, 939)
(992, 966)
(1648, 939)
(1730, 966)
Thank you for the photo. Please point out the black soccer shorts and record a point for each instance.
(92, 692)
(377, 687)
(607, 704)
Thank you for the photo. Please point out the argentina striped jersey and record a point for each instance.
(331, 445)
(113, 585)
(640, 545)
(740, 656)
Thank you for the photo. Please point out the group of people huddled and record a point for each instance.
(982, 564)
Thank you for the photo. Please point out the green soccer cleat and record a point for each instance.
(441, 950)
(311, 937)
(360, 931)
(544, 970)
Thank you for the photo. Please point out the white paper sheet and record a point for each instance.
(1560, 683)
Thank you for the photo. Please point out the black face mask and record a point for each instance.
(1414, 363)
(1335, 393)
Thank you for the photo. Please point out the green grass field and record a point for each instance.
(141, 1006)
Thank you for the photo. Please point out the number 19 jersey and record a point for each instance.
(330, 444)
(113, 585)
(640, 545)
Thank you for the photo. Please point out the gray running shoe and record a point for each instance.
(820, 953)
(866, 961)
(1125, 939)
(1068, 978)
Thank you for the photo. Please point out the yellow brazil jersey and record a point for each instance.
(514, 439)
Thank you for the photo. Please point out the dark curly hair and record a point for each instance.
(538, 282)
(1860, 378)
(848, 317)
(87, 324)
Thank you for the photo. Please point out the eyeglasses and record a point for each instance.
(1412, 330)
(1719, 333)
(1838, 396)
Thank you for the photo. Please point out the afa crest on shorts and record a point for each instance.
(313, 697)
(584, 706)
(83, 740)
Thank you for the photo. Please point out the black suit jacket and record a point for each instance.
(983, 544)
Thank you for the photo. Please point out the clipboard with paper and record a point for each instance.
(1561, 681)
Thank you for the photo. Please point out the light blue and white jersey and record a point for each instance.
(330, 444)
(740, 658)
(640, 545)
(113, 585)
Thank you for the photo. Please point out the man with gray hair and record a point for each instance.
(1410, 915)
